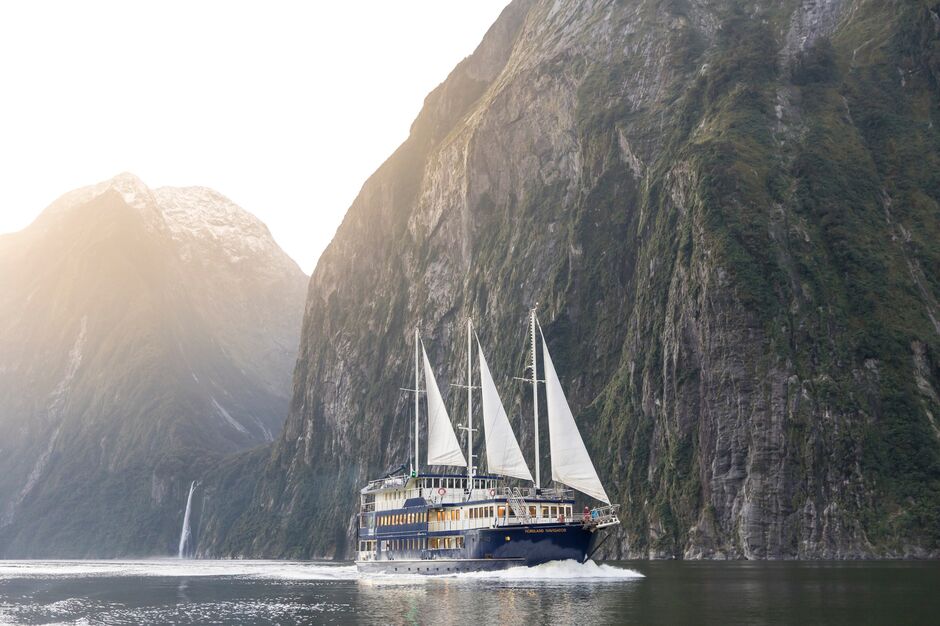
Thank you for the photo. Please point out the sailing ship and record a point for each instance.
(438, 523)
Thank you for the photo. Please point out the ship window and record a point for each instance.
(531, 511)
(502, 511)
(544, 511)
(459, 542)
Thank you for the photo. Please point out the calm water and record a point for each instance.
(268, 592)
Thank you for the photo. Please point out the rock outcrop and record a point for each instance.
(728, 212)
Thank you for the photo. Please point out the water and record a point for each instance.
(269, 592)
(184, 532)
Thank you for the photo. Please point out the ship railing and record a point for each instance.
(602, 516)
(531, 493)
(553, 493)
(462, 524)
(386, 483)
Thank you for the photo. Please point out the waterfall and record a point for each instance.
(185, 533)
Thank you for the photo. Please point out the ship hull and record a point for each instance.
(489, 549)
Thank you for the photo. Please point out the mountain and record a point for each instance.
(728, 212)
(144, 334)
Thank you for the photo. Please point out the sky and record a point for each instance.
(284, 107)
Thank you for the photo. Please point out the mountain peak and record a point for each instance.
(188, 214)
(135, 194)
(205, 215)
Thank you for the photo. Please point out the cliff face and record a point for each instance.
(728, 212)
(143, 334)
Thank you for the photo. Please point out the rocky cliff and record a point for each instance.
(143, 334)
(728, 212)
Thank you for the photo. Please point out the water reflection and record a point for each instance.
(487, 601)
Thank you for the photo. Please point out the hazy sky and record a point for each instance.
(285, 107)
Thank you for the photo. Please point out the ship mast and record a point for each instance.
(417, 404)
(469, 403)
(535, 399)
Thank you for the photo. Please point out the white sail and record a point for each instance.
(443, 448)
(571, 463)
(503, 455)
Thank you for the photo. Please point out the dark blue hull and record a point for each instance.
(486, 549)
